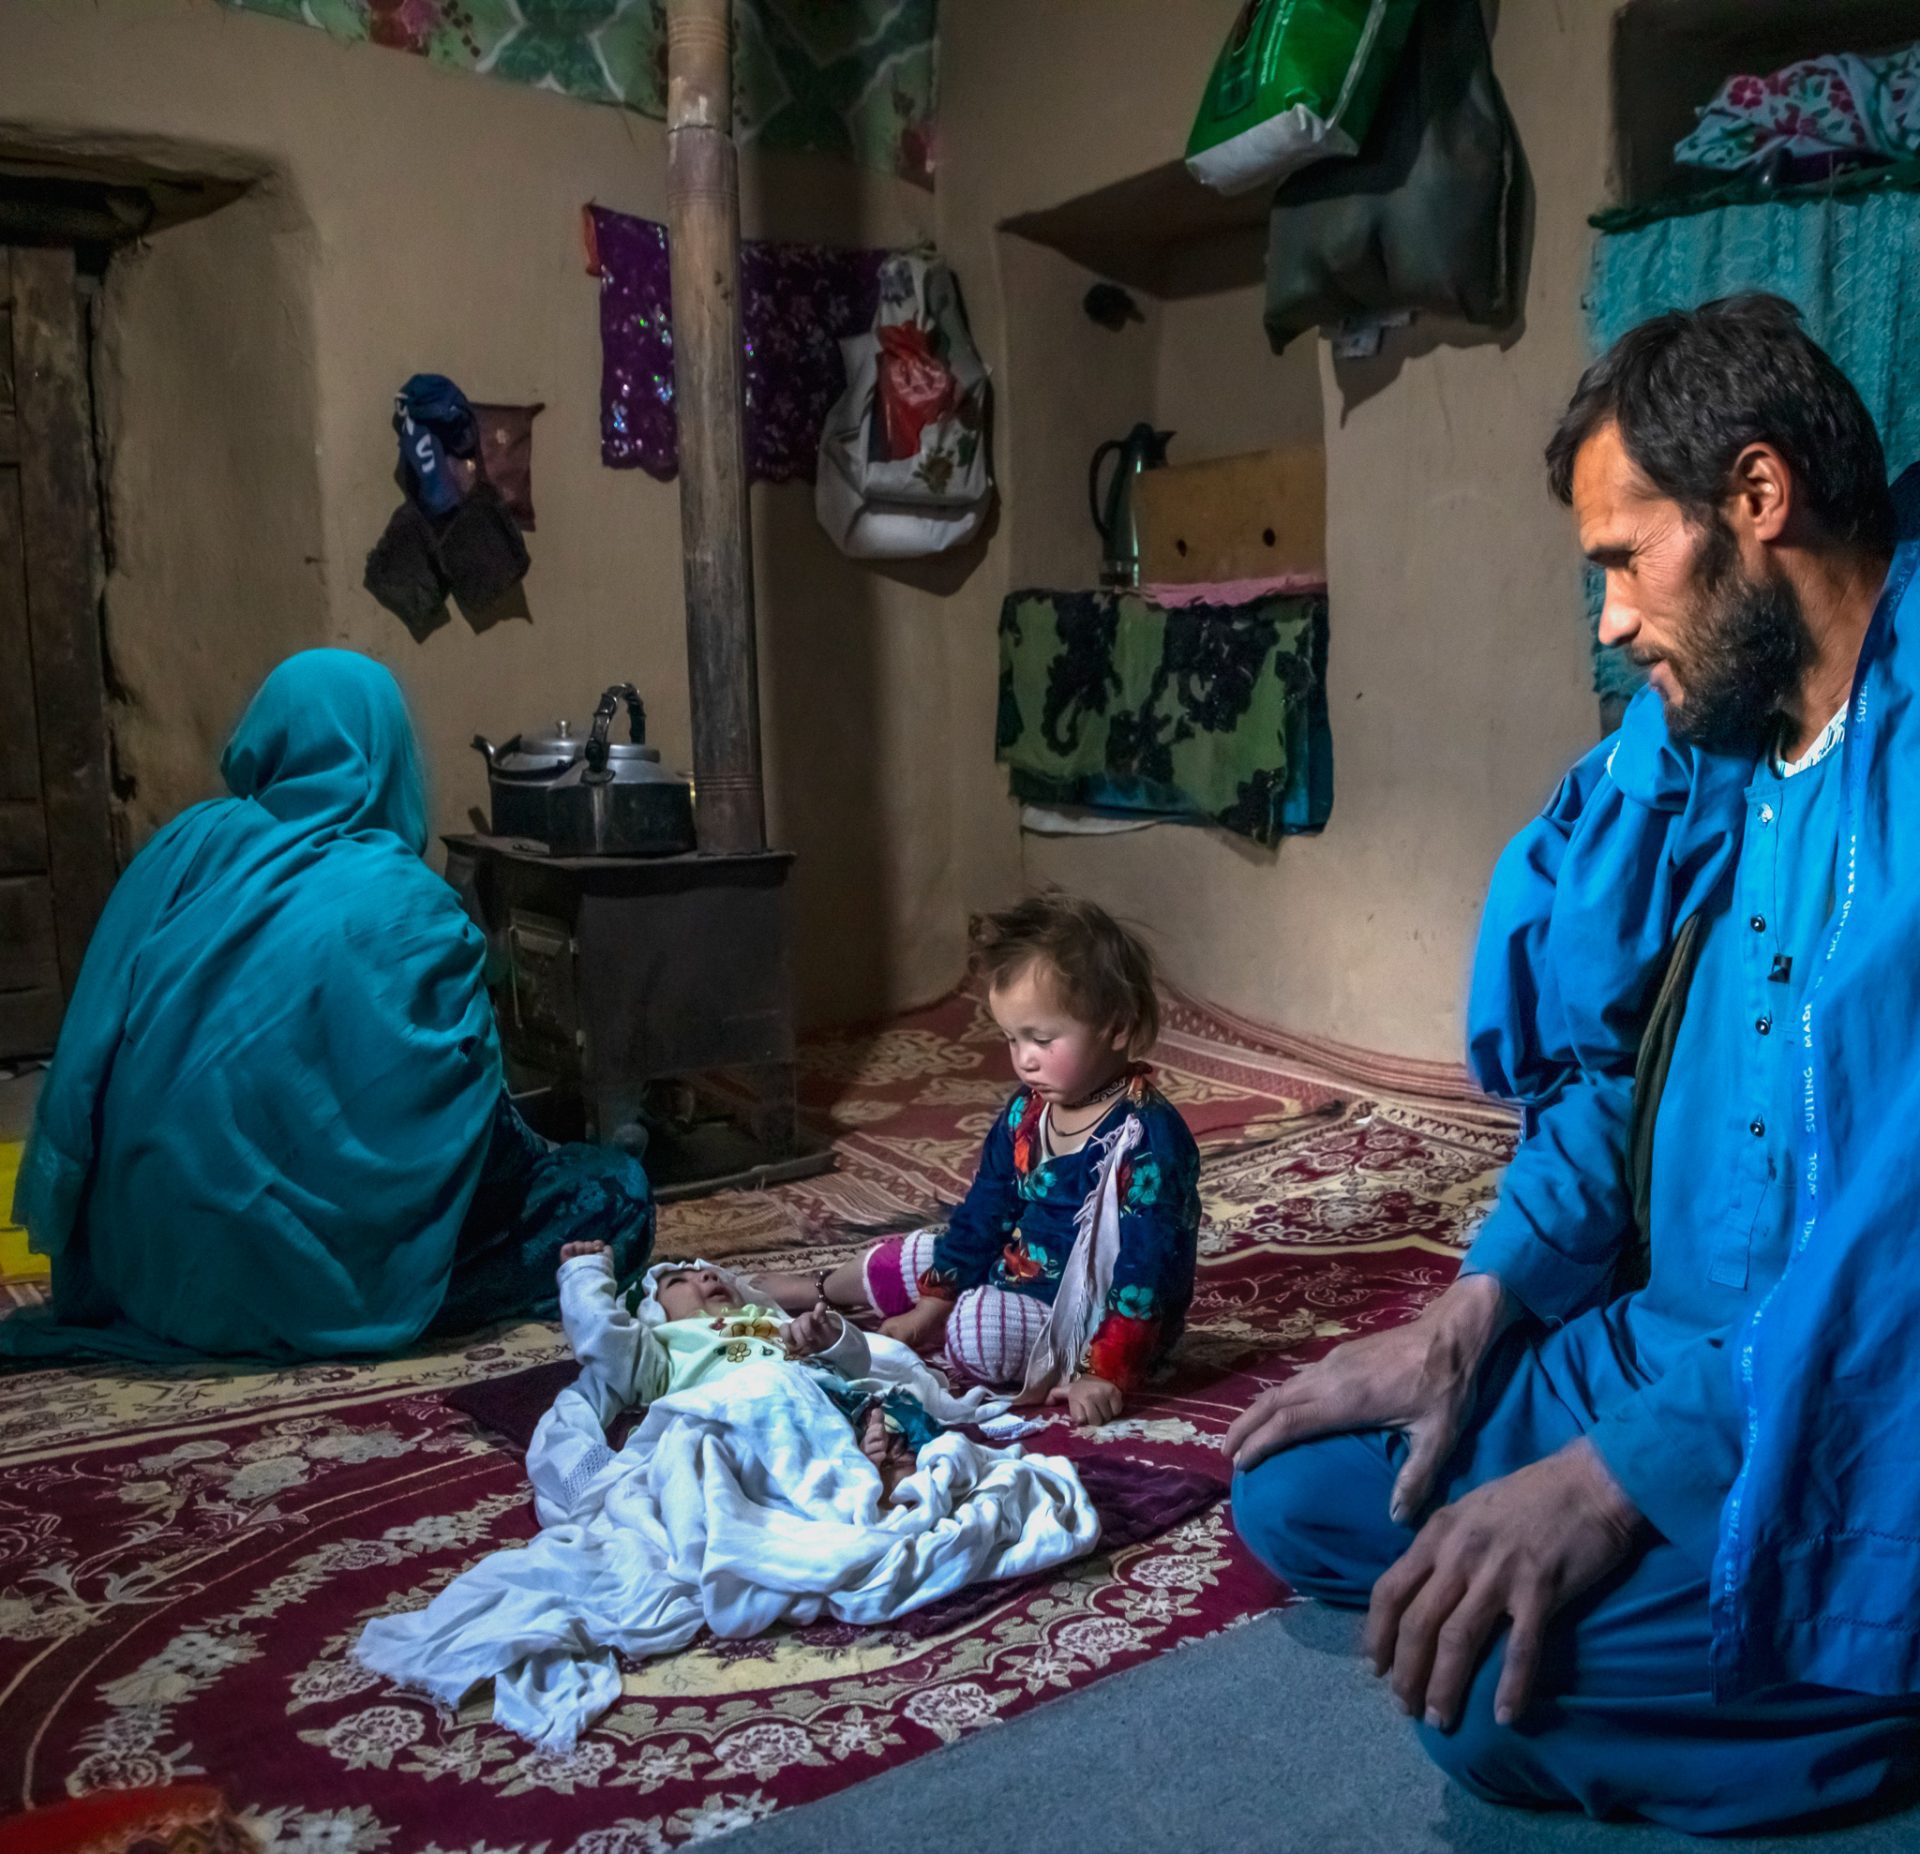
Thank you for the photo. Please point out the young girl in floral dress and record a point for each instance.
(1067, 1270)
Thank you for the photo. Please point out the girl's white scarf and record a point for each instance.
(1081, 1302)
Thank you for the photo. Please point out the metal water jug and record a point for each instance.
(1142, 448)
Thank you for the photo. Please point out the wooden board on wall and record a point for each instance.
(1246, 517)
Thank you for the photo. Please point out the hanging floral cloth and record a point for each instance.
(1838, 108)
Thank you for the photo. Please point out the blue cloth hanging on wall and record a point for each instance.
(433, 421)
(1850, 261)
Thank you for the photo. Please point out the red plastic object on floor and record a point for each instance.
(181, 1818)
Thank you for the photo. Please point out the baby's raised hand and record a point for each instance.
(813, 1331)
(569, 1250)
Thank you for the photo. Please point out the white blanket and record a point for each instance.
(734, 1506)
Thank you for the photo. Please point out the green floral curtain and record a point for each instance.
(848, 77)
(1209, 713)
(1850, 260)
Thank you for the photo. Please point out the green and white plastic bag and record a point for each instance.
(1296, 82)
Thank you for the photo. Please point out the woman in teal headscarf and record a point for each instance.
(276, 1124)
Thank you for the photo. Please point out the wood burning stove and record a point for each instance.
(647, 999)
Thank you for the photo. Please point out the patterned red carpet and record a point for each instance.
(184, 1559)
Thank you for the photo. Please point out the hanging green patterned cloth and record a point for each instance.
(1209, 713)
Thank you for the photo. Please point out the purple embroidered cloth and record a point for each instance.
(797, 303)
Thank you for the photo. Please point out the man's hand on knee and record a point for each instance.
(1417, 1378)
(1515, 1550)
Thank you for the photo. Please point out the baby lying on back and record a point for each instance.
(698, 1325)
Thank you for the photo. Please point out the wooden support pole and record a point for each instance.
(703, 226)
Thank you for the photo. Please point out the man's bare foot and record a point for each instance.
(570, 1249)
(889, 1452)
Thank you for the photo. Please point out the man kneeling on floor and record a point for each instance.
(1631, 1506)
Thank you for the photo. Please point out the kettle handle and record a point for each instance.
(596, 754)
(1093, 483)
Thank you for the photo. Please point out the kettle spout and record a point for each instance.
(487, 751)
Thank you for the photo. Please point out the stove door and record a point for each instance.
(543, 981)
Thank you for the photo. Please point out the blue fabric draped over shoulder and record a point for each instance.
(1818, 1574)
(277, 1077)
(1585, 903)
(1580, 919)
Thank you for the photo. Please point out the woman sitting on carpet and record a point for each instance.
(276, 1123)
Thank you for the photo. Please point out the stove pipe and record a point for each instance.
(703, 225)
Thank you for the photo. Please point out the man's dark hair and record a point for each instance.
(1691, 389)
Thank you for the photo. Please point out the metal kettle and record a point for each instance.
(1142, 448)
(588, 795)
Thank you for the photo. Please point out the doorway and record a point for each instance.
(56, 836)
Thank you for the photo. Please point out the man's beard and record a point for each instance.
(1739, 661)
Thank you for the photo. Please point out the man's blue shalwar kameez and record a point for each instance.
(1759, 1398)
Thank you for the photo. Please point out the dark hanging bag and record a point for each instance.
(1426, 216)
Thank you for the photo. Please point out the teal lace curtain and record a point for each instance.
(1852, 264)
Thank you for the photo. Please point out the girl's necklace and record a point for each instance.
(1092, 1100)
(1099, 1094)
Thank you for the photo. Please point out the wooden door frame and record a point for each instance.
(53, 440)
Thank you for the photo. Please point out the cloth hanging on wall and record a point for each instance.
(1213, 713)
(434, 422)
(1840, 106)
(453, 532)
(848, 77)
(797, 304)
(506, 454)
(1850, 260)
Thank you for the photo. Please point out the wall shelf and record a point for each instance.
(1670, 56)
(1160, 232)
